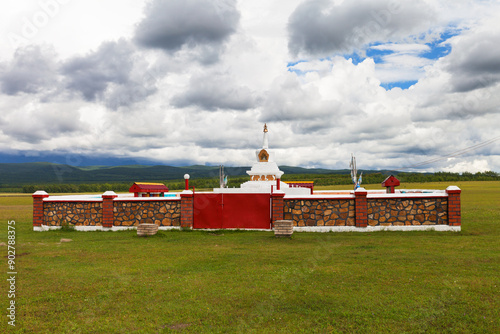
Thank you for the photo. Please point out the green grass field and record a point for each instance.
(251, 282)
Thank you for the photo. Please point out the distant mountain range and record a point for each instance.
(77, 159)
(45, 173)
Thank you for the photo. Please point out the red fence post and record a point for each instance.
(38, 197)
(187, 209)
(277, 207)
(361, 207)
(454, 212)
(108, 215)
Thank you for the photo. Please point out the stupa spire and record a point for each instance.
(265, 141)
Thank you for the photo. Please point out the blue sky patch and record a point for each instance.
(290, 67)
(356, 58)
(293, 63)
(400, 84)
(377, 55)
(438, 48)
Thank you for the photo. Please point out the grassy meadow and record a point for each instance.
(251, 282)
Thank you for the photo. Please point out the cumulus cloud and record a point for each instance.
(474, 166)
(172, 25)
(214, 91)
(289, 100)
(91, 74)
(34, 122)
(321, 95)
(194, 81)
(401, 62)
(31, 70)
(464, 84)
(327, 106)
(321, 27)
(112, 74)
(474, 61)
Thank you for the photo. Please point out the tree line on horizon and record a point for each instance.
(209, 183)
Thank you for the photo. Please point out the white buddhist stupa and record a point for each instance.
(265, 175)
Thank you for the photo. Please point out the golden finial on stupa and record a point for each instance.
(265, 127)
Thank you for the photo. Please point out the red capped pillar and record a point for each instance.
(454, 211)
(187, 204)
(361, 207)
(277, 206)
(38, 197)
(108, 215)
(187, 217)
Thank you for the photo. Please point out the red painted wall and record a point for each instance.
(249, 211)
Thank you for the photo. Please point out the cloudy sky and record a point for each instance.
(397, 83)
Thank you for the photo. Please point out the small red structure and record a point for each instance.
(143, 189)
(390, 182)
(303, 184)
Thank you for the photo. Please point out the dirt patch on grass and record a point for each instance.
(178, 327)
(17, 255)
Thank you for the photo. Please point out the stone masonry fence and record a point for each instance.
(358, 211)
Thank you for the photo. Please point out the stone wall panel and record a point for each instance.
(319, 212)
(161, 213)
(403, 211)
(381, 211)
(75, 213)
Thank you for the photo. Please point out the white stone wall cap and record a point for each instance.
(187, 192)
(44, 228)
(82, 198)
(308, 196)
(40, 192)
(439, 228)
(109, 193)
(453, 188)
(408, 195)
(360, 189)
(146, 199)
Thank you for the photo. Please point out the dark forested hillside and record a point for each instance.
(28, 177)
(41, 172)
